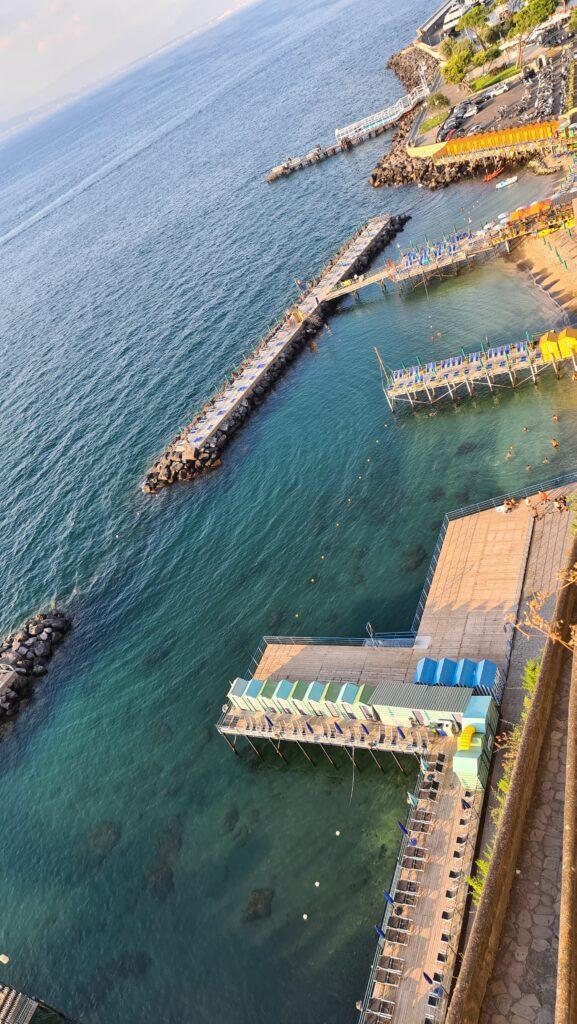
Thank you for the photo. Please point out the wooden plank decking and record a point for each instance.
(432, 938)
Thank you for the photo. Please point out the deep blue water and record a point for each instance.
(143, 254)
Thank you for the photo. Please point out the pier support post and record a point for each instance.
(231, 745)
(277, 749)
(556, 368)
(350, 756)
(305, 753)
(375, 759)
(398, 763)
(326, 753)
(255, 748)
(532, 368)
(489, 381)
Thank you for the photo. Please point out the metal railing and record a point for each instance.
(383, 117)
(388, 910)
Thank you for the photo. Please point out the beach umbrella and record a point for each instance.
(428, 978)
(465, 806)
(364, 728)
(379, 931)
(401, 733)
(268, 721)
(402, 828)
(338, 728)
(310, 728)
(424, 765)
(388, 897)
(412, 799)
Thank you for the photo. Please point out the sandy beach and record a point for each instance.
(552, 263)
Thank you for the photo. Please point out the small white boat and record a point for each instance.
(506, 182)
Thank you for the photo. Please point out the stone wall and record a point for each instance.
(483, 944)
(566, 997)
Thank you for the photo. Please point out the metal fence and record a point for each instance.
(388, 910)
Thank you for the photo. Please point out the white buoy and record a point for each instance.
(305, 917)
(317, 884)
(337, 833)
(4, 958)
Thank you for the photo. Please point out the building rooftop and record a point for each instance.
(427, 698)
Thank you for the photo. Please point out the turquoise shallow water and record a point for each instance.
(142, 254)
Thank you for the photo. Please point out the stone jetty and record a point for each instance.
(24, 657)
(199, 446)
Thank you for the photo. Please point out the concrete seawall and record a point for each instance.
(198, 447)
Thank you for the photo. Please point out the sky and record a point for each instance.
(50, 49)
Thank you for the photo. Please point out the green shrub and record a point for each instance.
(438, 99)
(530, 676)
(486, 80)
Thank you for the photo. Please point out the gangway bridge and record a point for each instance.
(382, 118)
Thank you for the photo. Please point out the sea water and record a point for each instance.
(143, 253)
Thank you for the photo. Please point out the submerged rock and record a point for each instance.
(231, 818)
(414, 559)
(103, 838)
(160, 880)
(258, 904)
(467, 446)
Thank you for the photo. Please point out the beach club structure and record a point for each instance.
(509, 365)
(434, 694)
(447, 699)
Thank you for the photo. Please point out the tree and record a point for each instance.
(476, 20)
(456, 68)
(572, 23)
(437, 100)
(535, 12)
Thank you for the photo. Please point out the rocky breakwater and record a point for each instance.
(398, 168)
(184, 460)
(24, 657)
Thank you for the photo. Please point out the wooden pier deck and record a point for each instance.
(200, 442)
(460, 251)
(399, 273)
(430, 886)
(509, 365)
(473, 589)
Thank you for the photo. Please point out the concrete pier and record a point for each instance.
(197, 448)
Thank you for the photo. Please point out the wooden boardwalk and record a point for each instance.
(415, 274)
(435, 873)
(508, 365)
(458, 252)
